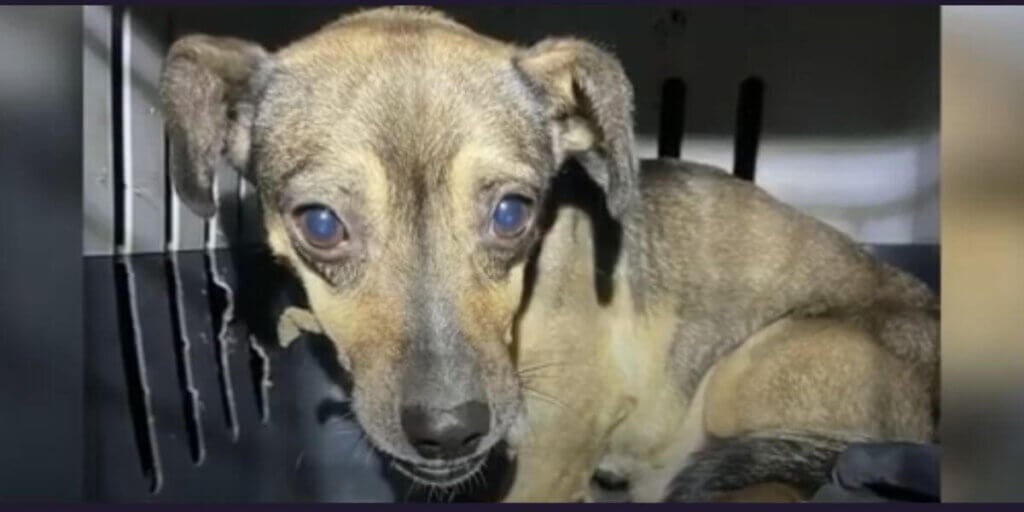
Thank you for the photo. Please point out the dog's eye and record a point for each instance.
(511, 215)
(321, 227)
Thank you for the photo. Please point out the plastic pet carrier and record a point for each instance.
(834, 110)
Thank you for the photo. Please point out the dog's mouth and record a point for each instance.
(444, 474)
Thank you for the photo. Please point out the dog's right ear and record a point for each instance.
(209, 90)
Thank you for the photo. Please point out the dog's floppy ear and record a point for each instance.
(589, 103)
(209, 90)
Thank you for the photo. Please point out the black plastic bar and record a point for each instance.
(749, 114)
(671, 122)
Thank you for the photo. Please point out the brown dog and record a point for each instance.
(476, 236)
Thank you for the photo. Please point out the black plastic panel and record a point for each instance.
(203, 381)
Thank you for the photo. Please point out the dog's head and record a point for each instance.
(402, 163)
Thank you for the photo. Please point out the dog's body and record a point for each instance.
(659, 321)
(710, 263)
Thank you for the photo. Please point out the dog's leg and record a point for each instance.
(562, 448)
(554, 471)
(784, 405)
(649, 482)
(819, 375)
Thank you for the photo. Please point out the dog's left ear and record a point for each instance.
(590, 109)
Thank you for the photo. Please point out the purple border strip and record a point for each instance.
(507, 506)
(559, 3)
(609, 507)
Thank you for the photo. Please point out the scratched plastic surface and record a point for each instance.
(189, 398)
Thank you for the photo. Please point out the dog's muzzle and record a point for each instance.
(447, 438)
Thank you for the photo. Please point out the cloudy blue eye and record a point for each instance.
(321, 227)
(511, 215)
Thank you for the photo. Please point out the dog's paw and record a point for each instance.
(293, 322)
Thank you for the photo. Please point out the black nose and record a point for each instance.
(446, 433)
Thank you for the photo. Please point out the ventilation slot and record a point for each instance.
(748, 127)
(671, 122)
(117, 123)
(140, 406)
(183, 346)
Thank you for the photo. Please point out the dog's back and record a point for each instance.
(805, 341)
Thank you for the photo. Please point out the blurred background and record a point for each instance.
(983, 252)
(832, 109)
(41, 338)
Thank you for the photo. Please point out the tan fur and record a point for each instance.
(771, 492)
(688, 305)
(818, 375)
